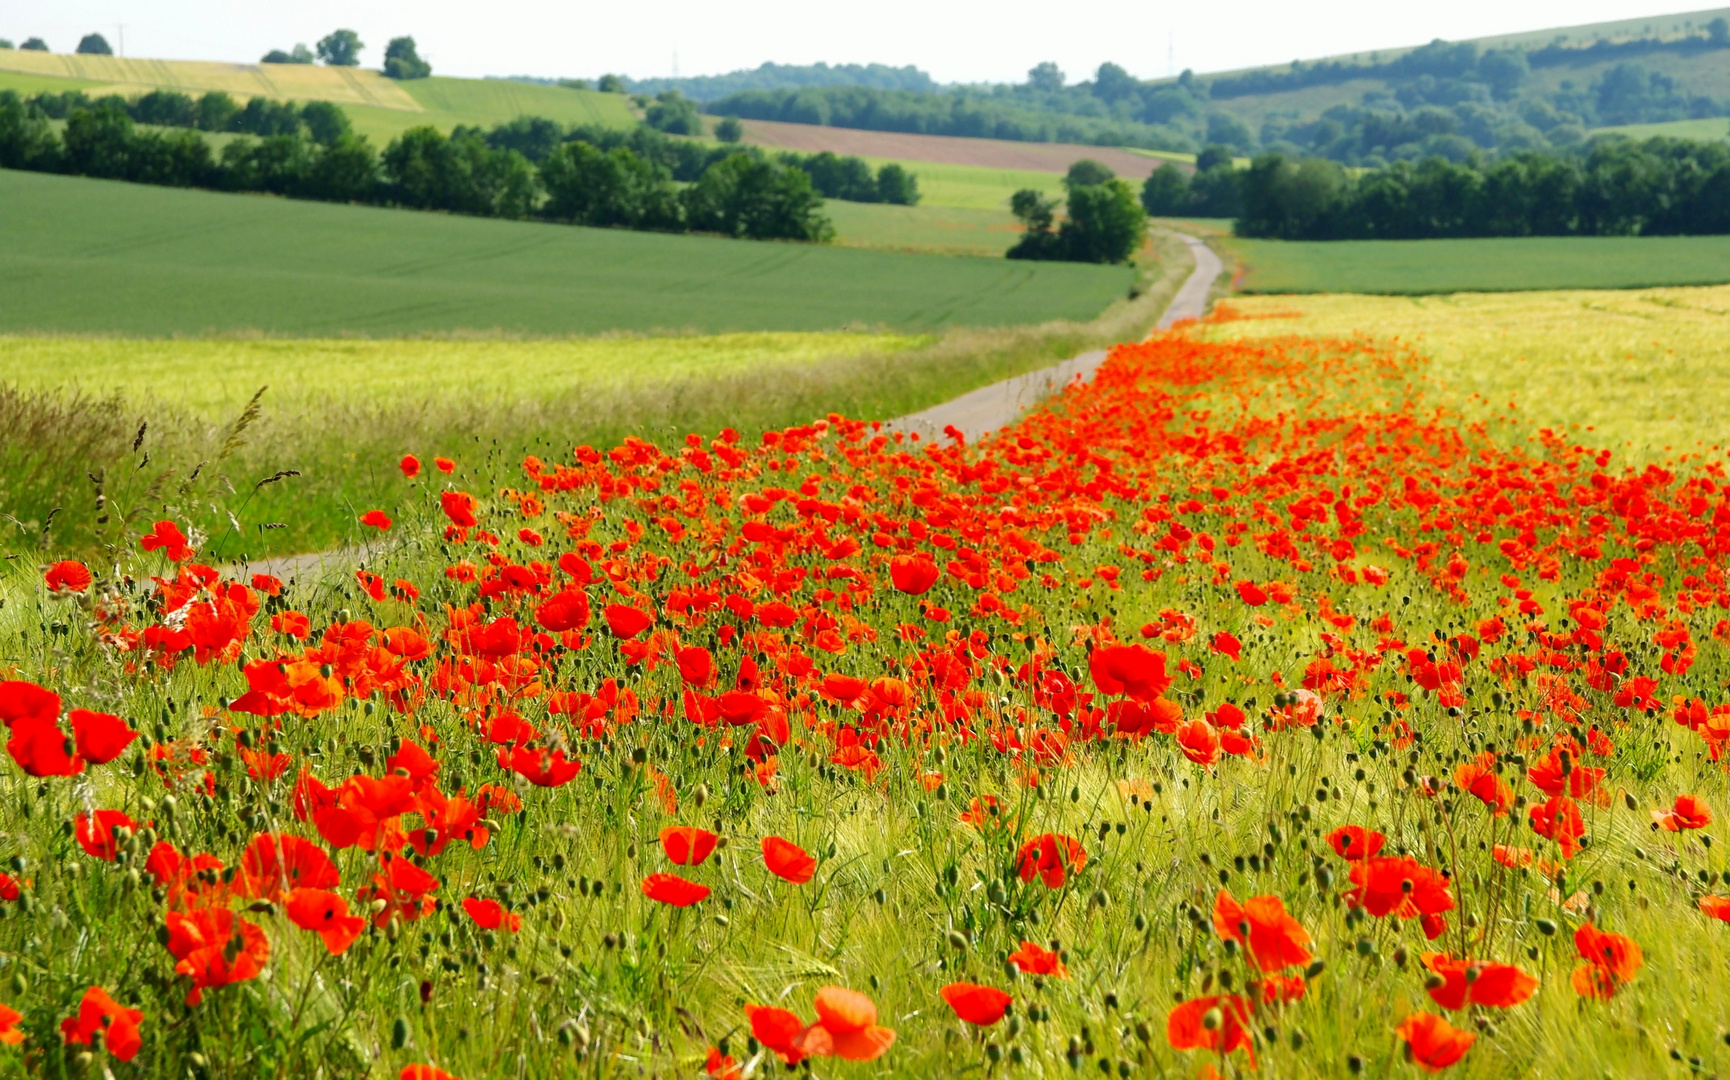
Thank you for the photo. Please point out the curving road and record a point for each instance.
(975, 414)
(985, 410)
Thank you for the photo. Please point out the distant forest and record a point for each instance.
(1444, 99)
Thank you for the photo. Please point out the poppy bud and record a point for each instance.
(398, 1033)
(1142, 1031)
(1545, 927)
(994, 1052)
(957, 940)
(1212, 1019)
(701, 795)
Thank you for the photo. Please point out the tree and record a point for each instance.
(26, 139)
(611, 84)
(1046, 77)
(674, 114)
(1036, 211)
(401, 61)
(5, 43)
(1227, 130)
(345, 171)
(217, 112)
(327, 123)
(341, 49)
(98, 141)
(729, 130)
(34, 44)
(300, 54)
(1166, 192)
(1286, 200)
(1105, 223)
(617, 188)
(1087, 172)
(165, 108)
(1212, 157)
(1504, 70)
(896, 185)
(744, 196)
(94, 45)
(1717, 32)
(1113, 83)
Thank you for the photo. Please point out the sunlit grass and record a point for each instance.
(1646, 371)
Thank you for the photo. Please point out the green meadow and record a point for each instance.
(91, 256)
(1483, 265)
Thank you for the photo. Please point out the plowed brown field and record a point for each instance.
(944, 149)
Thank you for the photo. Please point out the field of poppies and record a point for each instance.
(1252, 710)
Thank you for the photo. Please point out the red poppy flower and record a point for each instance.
(696, 666)
(276, 864)
(913, 574)
(268, 584)
(625, 621)
(1689, 812)
(1034, 959)
(41, 748)
(1399, 886)
(722, 1066)
(1227, 645)
(541, 767)
(9, 1033)
(1186, 1026)
(95, 832)
(1716, 906)
(1051, 857)
(1251, 593)
(99, 737)
(979, 1005)
(1612, 961)
(1500, 986)
(564, 610)
(67, 576)
(491, 915)
(788, 860)
(687, 845)
(97, 1012)
(1433, 1043)
(410, 466)
(214, 948)
(674, 890)
(778, 1030)
(378, 519)
(1199, 742)
(1479, 778)
(444, 464)
(847, 1027)
(1559, 820)
(459, 506)
(325, 914)
(167, 537)
(1131, 670)
(19, 700)
(1353, 842)
(423, 1072)
(1276, 939)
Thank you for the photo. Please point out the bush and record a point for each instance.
(729, 130)
(1103, 224)
(1165, 193)
(325, 122)
(26, 139)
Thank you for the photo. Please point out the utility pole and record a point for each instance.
(675, 63)
(122, 35)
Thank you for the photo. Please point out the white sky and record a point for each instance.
(954, 41)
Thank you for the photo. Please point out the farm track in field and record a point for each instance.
(975, 414)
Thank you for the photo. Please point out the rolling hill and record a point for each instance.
(379, 108)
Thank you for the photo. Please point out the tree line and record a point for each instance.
(1614, 187)
(606, 182)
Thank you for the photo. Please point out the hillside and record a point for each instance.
(379, 108)
(91, 256)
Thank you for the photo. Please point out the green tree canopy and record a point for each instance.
(1165, 193)
(327, 123)
(401, 61)
(611, 84)
(342, 48)
(34, 44)
(1105, 223)
(94, 45)
(1046, 76)
(674, 114)
(1087, 172)
(729, 130)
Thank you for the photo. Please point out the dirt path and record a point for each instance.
(975, 414)
(989, 408)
